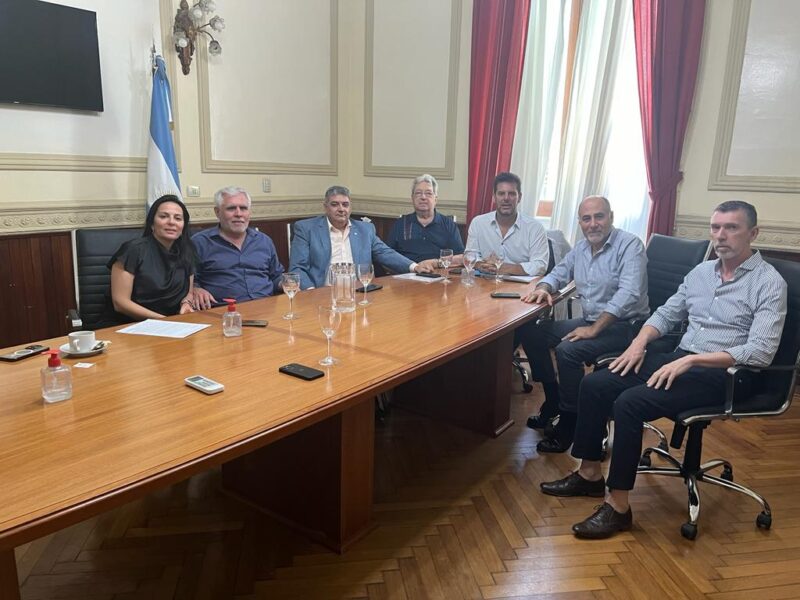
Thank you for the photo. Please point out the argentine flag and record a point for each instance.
(162, 170)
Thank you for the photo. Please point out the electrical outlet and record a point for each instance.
(193, 191)
(266, 185)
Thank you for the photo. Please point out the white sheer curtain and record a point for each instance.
(600, 150)
(588, 124)
(623, 177)
(539, 117)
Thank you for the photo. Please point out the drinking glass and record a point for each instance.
(365, 274)
(497, 261)
(329, 321)
(446, 257)
(471, 257)
(291, 285)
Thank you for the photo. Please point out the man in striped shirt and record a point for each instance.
(735, 305)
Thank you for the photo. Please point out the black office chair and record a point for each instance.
(669, 260)
(92, 249)
(750, 392)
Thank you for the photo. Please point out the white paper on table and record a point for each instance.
(415, 277)
(519, 278)
(170, 329)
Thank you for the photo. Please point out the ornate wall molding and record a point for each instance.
(63, 216)
(448, 171)
(70, 162)
(209, 164)
(773, 235)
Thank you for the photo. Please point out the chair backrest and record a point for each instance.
(669, 260)
(93, 249)
(789, 347)
(551, 261)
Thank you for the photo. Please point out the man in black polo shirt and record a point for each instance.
(421, 235)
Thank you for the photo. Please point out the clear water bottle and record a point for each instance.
(231, 320)
(56, 379)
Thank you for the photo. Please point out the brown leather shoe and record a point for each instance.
(604, 523)
(574, 485)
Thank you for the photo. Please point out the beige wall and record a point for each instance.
(778, 211)
(336, 82)
(293, 98)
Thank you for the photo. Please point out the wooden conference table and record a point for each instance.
(300, 450)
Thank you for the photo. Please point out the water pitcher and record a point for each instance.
(342, 279)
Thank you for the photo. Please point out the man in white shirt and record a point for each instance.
(333, 238)
(520, 240)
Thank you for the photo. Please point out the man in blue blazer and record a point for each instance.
(334, 238)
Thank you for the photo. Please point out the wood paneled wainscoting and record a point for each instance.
(36, 286)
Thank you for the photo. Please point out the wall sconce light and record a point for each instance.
(189, 23)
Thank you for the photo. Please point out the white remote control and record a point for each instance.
(204, 384)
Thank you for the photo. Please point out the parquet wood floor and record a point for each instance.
(457, 516)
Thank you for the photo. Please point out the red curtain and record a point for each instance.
(668, 35)
(499, 32)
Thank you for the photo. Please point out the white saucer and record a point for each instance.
(65, 350)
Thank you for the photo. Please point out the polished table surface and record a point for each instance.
(132, 425)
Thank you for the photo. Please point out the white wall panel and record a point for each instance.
(275, 69)
(412, 64)
(766, 134)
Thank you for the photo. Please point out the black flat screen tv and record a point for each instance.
(49, 55)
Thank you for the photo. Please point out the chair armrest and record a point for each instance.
(741, 379)
(74, 321)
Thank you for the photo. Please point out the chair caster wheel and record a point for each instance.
(645, 461)
(689, 530)
(764, 521)
(527, 388)
(727, 474)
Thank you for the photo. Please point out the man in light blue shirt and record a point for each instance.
(736, 308)
(520, 240)
(609, 268)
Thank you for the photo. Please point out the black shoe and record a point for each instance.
(574, 485)
(539, 421)
(604, 523)
(553, 445)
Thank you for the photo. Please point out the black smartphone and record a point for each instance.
(25, 352)
(254, 323)
(370, 288)
(301, 371)
(456, 271)
(430, 275)
(505, 295)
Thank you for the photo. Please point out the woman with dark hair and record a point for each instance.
(153, 276)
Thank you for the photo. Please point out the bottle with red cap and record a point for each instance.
(56, 379)
(231, 320)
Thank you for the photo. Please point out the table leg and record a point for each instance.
(318, 480)
(9, 584)
(472, 391)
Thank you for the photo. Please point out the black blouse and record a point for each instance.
(160, 277)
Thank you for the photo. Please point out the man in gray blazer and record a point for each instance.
(334, 238)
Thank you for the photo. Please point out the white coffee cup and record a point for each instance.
(81, 341)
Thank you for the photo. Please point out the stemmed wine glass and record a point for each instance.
(365, 273)
(291, 284)
(470, 259)
(445, 258)
(497, 261)
(329, 321)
